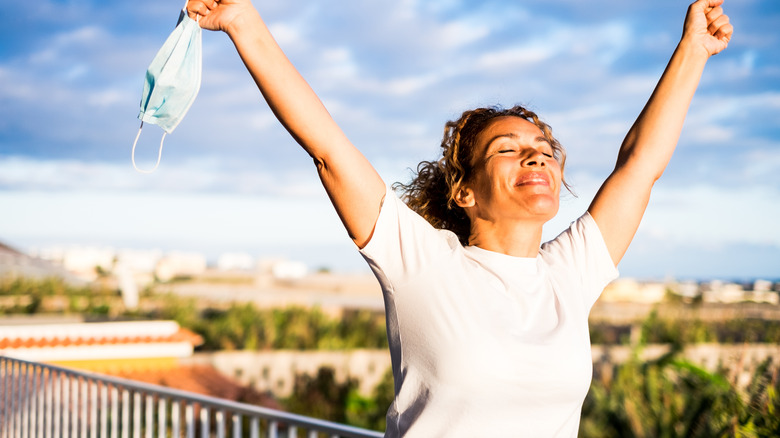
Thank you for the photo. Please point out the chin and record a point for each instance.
(545, 208)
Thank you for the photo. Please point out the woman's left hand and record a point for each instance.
(706, 26)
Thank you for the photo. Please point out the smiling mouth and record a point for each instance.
(534, 178)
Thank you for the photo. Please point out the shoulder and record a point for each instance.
(581, 237)
(580, 255)
(403, 241)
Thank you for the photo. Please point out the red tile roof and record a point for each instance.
(182, 335)
(201, 379)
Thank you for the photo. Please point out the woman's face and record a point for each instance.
(515, 175)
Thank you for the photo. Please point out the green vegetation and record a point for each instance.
(322, 396)
(670, 397)
(659, 330)
(246, 327)
(673, 331)
(25, 296)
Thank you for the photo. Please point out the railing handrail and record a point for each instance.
(212, 402)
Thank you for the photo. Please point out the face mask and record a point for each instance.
(172, 81)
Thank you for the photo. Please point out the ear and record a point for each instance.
(465, 197)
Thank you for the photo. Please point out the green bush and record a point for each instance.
(243, 326)
(670, 397)
(322, 396)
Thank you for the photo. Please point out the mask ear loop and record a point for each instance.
(159, 152)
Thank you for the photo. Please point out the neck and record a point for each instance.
(519, 239)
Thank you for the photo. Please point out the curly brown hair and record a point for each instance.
(433, 188)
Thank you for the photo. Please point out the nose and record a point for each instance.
(533, 159)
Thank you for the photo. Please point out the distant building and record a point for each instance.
(14, 263)
(180, 264)
(630, 290)
(722, 292)
(85, 262)
(762, 286)
(687, 290)
(236, 262)
(281, 269)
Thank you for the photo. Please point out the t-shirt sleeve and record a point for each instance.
(580, 251)
(403, 242)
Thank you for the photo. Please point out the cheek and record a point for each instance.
(558, 174)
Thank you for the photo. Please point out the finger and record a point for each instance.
(724, 32)
(714, 13)
(195, 8)
(712, 3)
(716, 25)
(705, 5)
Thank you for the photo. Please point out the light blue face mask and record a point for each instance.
(172, 81)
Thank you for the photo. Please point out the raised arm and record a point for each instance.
(621, 201)
(354, 187)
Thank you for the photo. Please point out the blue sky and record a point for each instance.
(391, 73)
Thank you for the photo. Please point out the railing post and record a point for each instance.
(125, 413)
(204, 421)
(237, 425)
(189, 416)
(254, 428)
(48, 411)
(4, 379)
(149, 415)
(175, 418)
(60, 424)
(92, 386)
(25, 405)
(41, 410)
(115, 402)
(220, 423)
(161, 421)
(84, 404)
(40, 397)
(137, 414)
(104, 410)
(67, 401)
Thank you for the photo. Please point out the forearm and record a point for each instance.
(651, 141)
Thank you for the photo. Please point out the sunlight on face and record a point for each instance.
(516, 176)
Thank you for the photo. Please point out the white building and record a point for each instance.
(629, 290)
(236, 262)
(180, 264)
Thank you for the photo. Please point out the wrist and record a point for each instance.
(693, 49)
(243, 23)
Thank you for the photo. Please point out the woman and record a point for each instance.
(487, 327)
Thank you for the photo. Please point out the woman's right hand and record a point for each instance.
(224, 15)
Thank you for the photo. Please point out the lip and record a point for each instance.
(533, 178)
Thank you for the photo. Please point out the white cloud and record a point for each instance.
(718, 215)
(196, 175)
(456, 34)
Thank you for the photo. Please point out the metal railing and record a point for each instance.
(39, 400)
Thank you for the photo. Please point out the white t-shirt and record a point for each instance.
(485, 344)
